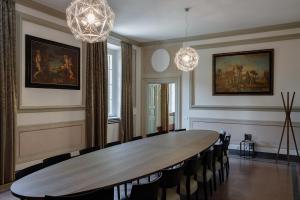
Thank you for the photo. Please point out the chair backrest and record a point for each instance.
(112, 144)
(88, 150)
(218, 152)
(136, 138)
(191, 166)
(207, 159)
(155, 134)
(56, 159)
(146, 191)
(179, 130)
(222, 136)
(28, 170)
(103, 194)
(226, 144)
(171, 176)
(248, 137)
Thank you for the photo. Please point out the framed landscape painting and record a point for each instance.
(243, 73)
(51, 64)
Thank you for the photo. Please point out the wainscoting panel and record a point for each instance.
(266, 134)
(41, 141)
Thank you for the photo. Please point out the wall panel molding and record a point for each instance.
(240, 122)
(36, 142)
(34, 109)
(265, 134)
(194, 106)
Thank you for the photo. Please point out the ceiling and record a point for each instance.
(151, 20)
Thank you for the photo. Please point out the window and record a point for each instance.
(114, 80)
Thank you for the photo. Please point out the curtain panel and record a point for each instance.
(96, 94)
(7, 90)
(126, 125)
(165, 107)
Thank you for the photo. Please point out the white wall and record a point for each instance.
(69, 109)
(266, 126)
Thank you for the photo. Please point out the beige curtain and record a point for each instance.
(7, 90)
(126, 125)
(165, 107)
(96, 94)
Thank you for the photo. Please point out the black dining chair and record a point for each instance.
(56, 159)
(102, 194)
(180, 130)
(205, 172)
(156, 134)
(112, 144)
(136, 138)
(29, 170)
(226, 154)
(170, 183)
(188, 184)
(145, 191)
(218, 164)
(88, 150)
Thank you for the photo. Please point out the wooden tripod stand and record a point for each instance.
(288, 107)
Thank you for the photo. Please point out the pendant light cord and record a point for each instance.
(186, 22)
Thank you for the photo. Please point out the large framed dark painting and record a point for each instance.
(51, 64)
(243, 73)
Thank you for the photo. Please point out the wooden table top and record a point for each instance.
(114, 165)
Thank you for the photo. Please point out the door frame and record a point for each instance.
(146, 81)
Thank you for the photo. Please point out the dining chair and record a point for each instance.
(226, 154)
(136, 138)
(205, 172)
(112, 144)
(188, 184)
(156, 134)
(29, 170)
(170, 183)
(218, 163)
(145, 191)
(180, 130)
(88, 150)
(102, 194)
(56, 159)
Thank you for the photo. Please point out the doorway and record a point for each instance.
(161, 107)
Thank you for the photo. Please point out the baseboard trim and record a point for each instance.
(5, 187)
(265, 155)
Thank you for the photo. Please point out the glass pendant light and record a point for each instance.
(187, 58)
(90, 20)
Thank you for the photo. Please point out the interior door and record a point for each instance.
(152, 108)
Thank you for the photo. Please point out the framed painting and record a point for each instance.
(243, 73)
(51, 64)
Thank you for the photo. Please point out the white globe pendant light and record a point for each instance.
(187, 58)
(90, 20)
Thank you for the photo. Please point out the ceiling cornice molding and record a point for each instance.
(60, 15)
(261, 29)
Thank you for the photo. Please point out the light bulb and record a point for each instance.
(90, 18)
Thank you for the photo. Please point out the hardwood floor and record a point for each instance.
(252, 179)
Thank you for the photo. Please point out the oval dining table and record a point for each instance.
(115, 165)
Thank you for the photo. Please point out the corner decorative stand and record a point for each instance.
(288, 125)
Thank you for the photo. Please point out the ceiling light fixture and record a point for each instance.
(187, 58)
(90, 20)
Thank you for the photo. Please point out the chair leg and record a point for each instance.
(125, 188)
(222, 170)
(197, 193)
(188, 188)
(220, 176)
(215, 180)
(119, 192)
(205, 189)
(211, 187)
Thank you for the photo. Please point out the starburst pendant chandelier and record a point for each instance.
(90, 20)
(187, 58)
